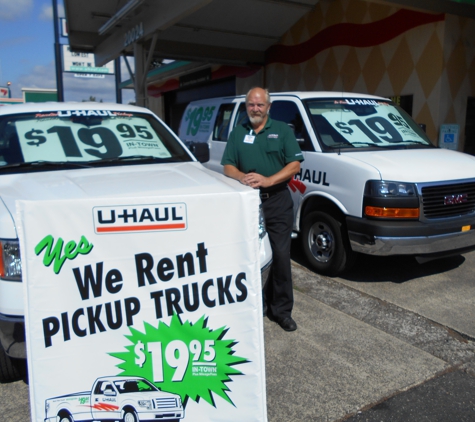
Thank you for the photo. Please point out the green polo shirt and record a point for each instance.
(269, 152)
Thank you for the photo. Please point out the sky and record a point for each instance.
(27, 54)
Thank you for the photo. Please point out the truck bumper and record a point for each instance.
(166, 416)
(12, 336)
(434, 239)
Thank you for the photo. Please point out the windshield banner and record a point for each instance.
(197, 122)
(144, 310)
(382, 127)
(63, 136)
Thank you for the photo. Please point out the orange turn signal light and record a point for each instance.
(384, 212)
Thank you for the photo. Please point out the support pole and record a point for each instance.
(118, 91)
(57, 54)
(140, 86)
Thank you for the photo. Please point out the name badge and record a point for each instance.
(249, 139)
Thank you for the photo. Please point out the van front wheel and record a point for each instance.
(11, 369)
(325, 244)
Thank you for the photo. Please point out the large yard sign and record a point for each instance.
(145, 308)
(83, 63)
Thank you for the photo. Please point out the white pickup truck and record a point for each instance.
(128, 399)
(372, 181)
(86, 150)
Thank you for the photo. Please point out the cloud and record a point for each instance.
(79, 89)
(39, 77)
(11, 10)
(47, 12)
(11, 42)
(75, 89)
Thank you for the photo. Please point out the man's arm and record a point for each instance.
(255, 180)
(233, 172)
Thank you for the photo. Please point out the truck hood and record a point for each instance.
(418, 165)
(106, 182)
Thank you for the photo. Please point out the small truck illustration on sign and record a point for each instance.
(116, 398)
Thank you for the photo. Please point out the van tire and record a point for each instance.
(10, 369)
(325, 244)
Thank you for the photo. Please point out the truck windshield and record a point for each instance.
(363, 123)
(85, 137)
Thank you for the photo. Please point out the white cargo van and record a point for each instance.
(85, 150)
(372, 181)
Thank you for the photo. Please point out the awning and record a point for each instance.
(213, 31)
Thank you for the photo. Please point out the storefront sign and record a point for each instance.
(4, 92)
(83, 63)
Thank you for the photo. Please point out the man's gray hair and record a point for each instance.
(265, 90)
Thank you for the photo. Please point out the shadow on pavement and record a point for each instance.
(395, 269)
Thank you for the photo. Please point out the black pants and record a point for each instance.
(278, 293)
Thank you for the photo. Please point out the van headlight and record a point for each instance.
(10, 260)
(391, 200)
(262, 223)
(385, 189)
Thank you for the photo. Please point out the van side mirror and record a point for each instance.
(200, 150)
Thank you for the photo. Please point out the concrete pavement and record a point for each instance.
(441, 290)
(351, 352)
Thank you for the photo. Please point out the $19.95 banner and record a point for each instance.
(136, 319)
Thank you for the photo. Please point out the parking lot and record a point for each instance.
(390, 330)
(442, 290)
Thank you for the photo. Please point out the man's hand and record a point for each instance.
(255, 180)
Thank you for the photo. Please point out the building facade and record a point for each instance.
(423, 60)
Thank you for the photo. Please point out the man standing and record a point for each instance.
(264, 154)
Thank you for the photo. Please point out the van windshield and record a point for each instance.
(363, 123)
(86, 138)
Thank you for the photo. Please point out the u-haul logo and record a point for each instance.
(140, 218)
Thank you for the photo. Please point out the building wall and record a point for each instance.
(458, 77)
(243, 85)
(359, 46)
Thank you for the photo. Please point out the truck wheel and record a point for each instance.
(325, 244)
(10, 369)
(66, 418)
(130, 416)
